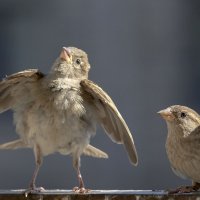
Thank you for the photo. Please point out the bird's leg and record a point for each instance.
(81, 188)
(81, 183)
(186, 189)
(32, 183)
(38, 161)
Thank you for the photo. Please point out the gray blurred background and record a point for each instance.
(144, 53)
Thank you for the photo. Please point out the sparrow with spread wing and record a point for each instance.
(183, 144)
(58, 112)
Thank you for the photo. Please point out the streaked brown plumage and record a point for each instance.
(58, 112)
(183, 144)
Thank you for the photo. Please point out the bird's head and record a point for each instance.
(72, 63)
(180, 118)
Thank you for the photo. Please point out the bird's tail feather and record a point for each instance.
(94, 152)
(16, 144)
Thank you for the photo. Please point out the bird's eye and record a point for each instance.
(183, 115)
(78, 61)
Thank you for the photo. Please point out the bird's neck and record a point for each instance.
(174, 131)
(56, 81)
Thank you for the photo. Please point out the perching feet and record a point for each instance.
(33, 190)
(81, 190)
(186, 189)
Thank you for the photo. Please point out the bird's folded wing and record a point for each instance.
(17, 87)
(195, 134)
(109, 117)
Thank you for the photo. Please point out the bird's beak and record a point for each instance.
(66, 55)
(167, 114)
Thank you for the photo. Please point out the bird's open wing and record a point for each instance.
(109, 117)
(17, 87)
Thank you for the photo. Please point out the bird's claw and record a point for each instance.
(33, 190)
(184, 189)
(81, 190)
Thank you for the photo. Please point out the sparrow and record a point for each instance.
(59, 111)
(183, 144)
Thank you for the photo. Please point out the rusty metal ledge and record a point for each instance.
(97, 195)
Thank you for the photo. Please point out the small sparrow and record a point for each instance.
(183, 144)
(58, 112)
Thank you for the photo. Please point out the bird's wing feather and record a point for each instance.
(109, 117)
(17, 86)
